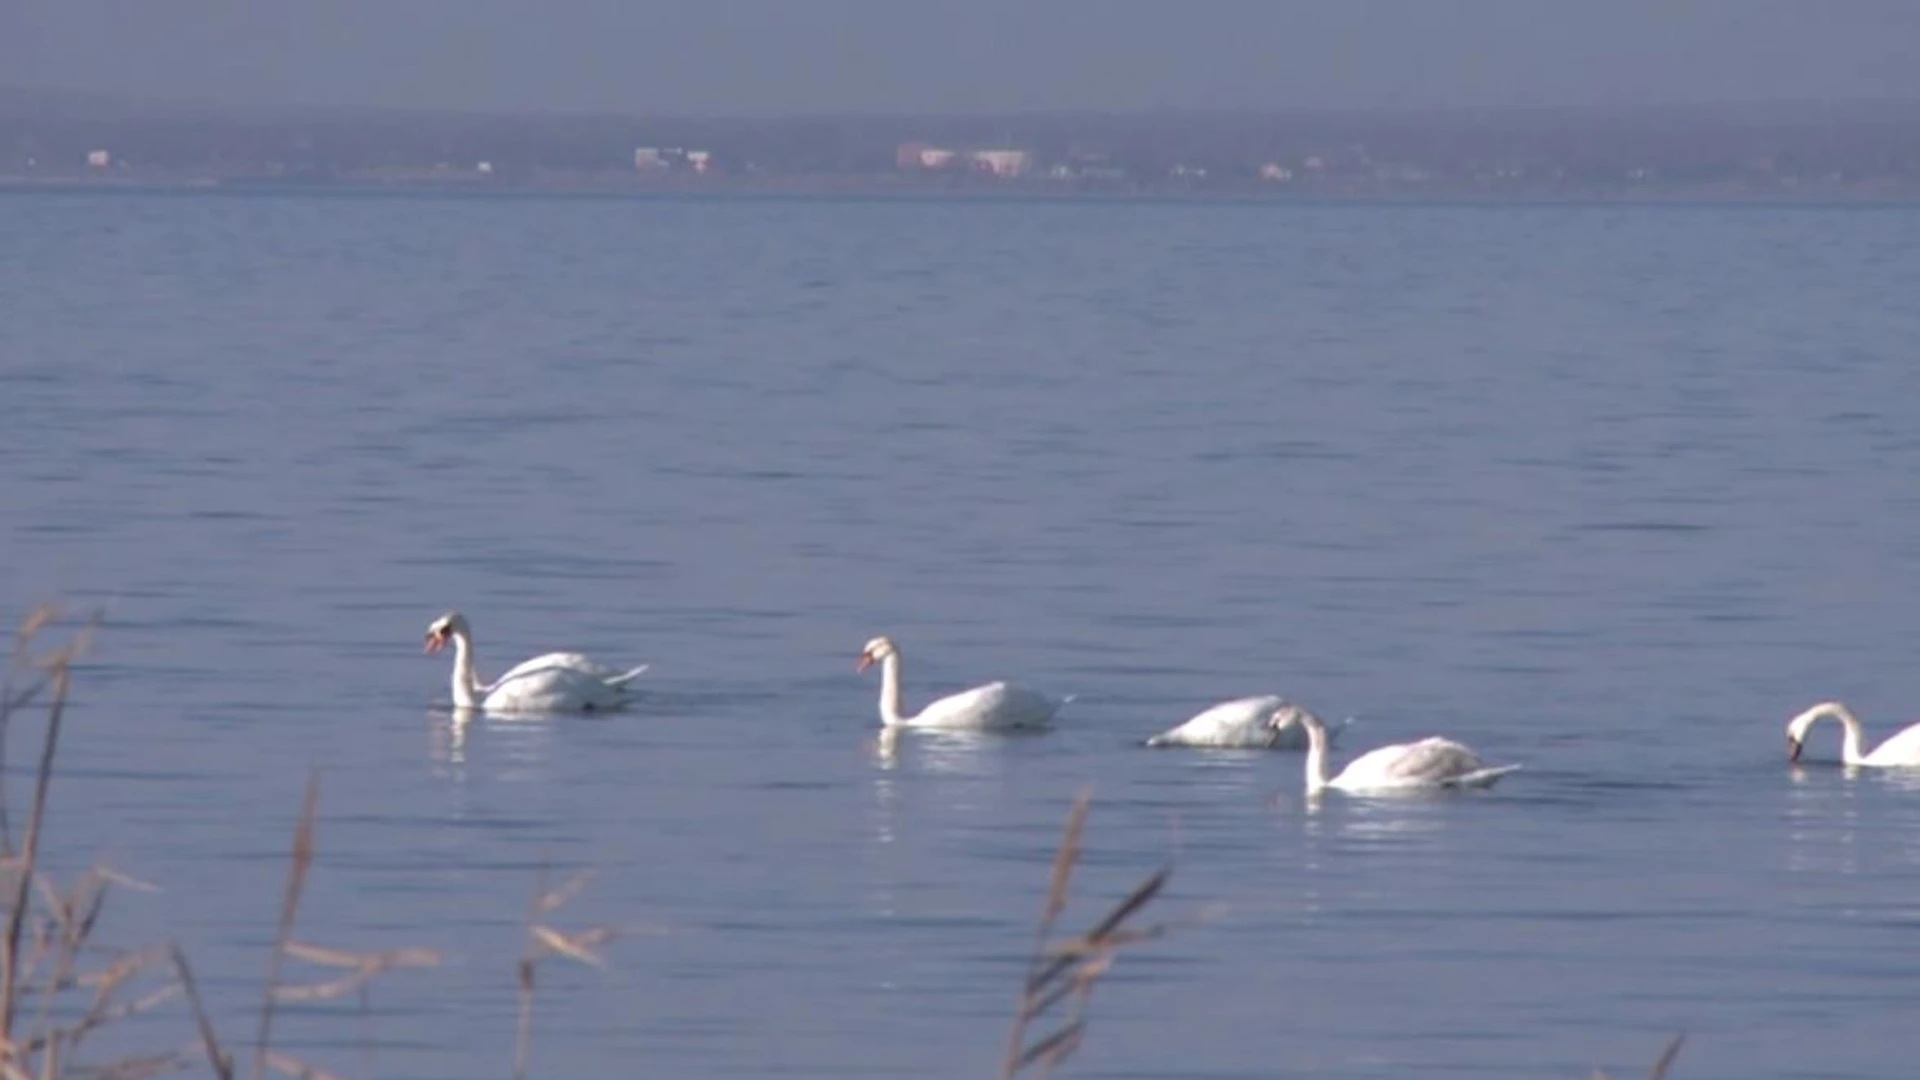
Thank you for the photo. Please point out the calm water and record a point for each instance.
(1609, 492)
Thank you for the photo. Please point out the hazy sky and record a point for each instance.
(778, 56)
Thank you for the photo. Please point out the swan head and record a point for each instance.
(1287, 717)
(445, 629)
(877, 650)
(1797, 727)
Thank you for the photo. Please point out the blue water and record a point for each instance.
(1610, 492)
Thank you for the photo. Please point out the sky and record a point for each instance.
(781, 57)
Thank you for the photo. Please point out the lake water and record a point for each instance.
(1610, 492)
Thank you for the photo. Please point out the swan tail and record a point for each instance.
(624, 677)
(1482, 777)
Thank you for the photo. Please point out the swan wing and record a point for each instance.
(556, 682)
(1901, 748)
(549, 662)
(1241, 722)
(568, 661)
(1434, 759)
(1429, 762)
(992, 705)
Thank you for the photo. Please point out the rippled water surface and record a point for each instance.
(1610, 492)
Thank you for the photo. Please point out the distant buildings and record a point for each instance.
(660, 159)
(913, 156)
(1002, 163)
(922, 157)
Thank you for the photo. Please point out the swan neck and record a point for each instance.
(890, 691)
(1851, 750)
(466, 685)
(1316, 755)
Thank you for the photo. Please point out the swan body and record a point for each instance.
(994, 706)
(1430, 763)
(1245, 723)
(1901, 748)
(551, 683)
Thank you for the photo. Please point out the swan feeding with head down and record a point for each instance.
(994, 706)
(1901, 748)
(1246, 723)
(1430, 763)
(552, 683)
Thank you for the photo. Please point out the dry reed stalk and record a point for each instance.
(1057, 971)
(289, 907)
(298, 1069)
(59, 678)
(10, 700)
(1660, 1065)
(143, 1067)
(364, 967)
(73, 916)
(217, 1059)
(543, 941)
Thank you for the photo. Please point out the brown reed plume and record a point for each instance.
(361, 968)
(544, 941)
(1067, 970)
(1660, 1064)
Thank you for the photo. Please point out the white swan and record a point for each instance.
(1432, 762)
(1901, 748)
(555, 682)
(1246, 723)
(993, 706)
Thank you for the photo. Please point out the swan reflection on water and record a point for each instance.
(952, 751)
(515, 750)
(1374, 822)
(1831, 828)
(969, 765)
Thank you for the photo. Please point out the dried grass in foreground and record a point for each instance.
(1660, 1064)
(50, 1003)
(544, 941)
(1067, 970)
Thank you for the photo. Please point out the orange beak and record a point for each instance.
(1793, 749)
(866, 661)
(435, 642)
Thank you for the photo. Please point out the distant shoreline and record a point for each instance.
(880, 188)
(1853, 152)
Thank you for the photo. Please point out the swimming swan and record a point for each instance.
(1901, 748)
(993, 706)
(1432, 762)
(555, 682)
(1246, 723)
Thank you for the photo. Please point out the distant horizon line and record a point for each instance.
(70, 96)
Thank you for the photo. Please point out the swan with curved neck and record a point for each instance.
(1432, 762)
(1245, 723)
(1901, 748)
(991, 706)
(553, 682)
